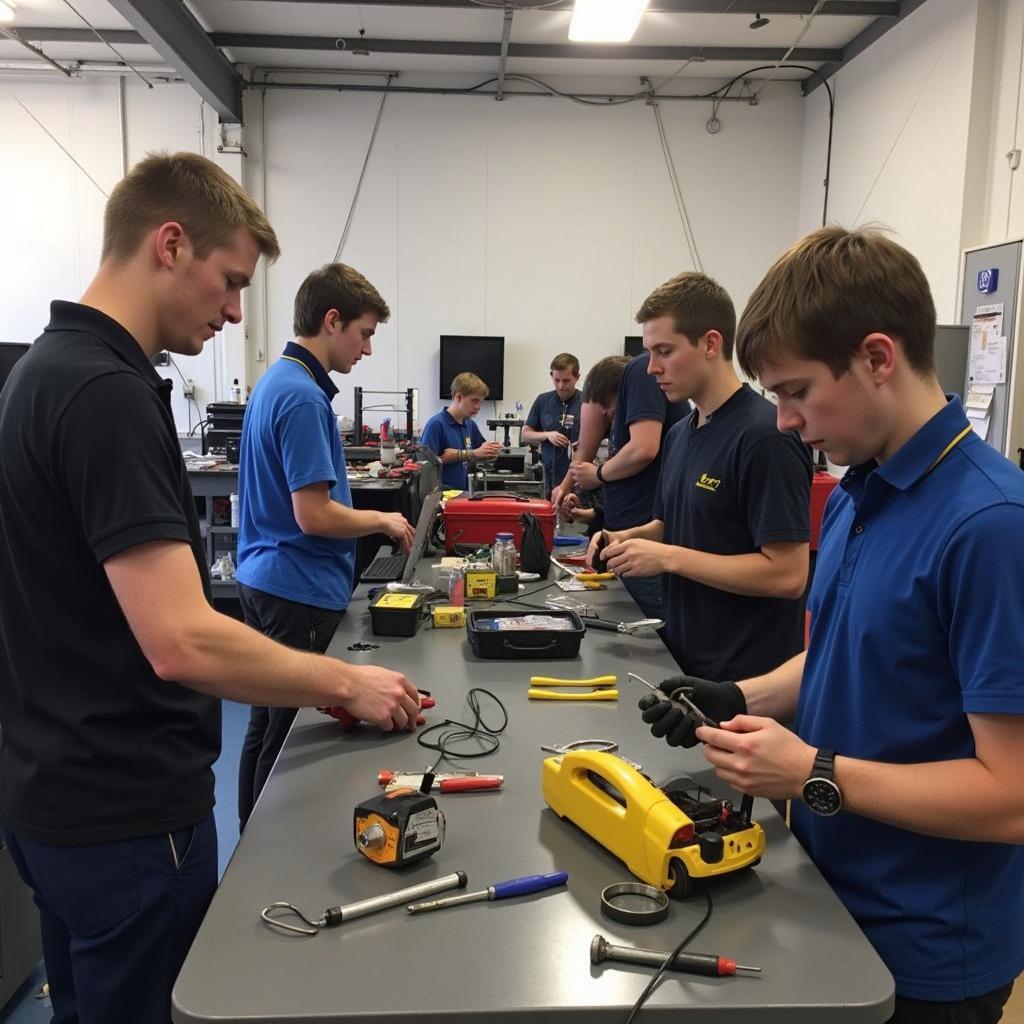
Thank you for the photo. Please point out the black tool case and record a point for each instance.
(488, 642)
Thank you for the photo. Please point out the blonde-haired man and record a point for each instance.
(454, 436)
(109, 680)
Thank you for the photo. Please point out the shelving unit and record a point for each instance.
(208, 484)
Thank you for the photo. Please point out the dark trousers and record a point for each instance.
(985, 1009)
(118, 918)
(647, 592)
(304, 627)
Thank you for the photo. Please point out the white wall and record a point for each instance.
(539, 219)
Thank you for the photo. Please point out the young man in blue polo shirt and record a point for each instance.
(730, 526)
(454, 437)
(907, 749)
(297, 527)
(553, 421)
(641, 416)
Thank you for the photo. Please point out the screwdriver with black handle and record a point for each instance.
(687, 963)
(500, 891)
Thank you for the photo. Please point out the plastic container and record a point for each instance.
(488, 640)
(236, 392)
(456, 587)
(503, 555)
(396, 614)
(234, 510)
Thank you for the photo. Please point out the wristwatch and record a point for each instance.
(600, 472)
(821, 793)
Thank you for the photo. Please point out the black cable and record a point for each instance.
(461, 732)
(675, 952)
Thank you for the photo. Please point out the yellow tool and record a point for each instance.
(594, 577)
(600, 689)
(666, 836)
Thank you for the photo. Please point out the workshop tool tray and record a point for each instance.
(489, 640)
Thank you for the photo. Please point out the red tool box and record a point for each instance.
(475, 521)
(822, 485)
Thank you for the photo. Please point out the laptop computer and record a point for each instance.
(385, 568)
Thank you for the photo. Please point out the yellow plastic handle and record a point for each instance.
(555, 695)
(592, 577)
(551, 681)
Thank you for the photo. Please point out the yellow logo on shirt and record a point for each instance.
(708, 483)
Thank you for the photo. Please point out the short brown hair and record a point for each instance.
(184, 187)
(566, 361)
(335, 286)
(828, 292)
(697, 304)
(469, 384)
(602, 383)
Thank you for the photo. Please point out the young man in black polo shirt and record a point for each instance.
(111, 655)
(731, 522)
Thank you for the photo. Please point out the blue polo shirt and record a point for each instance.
(549, 412)
(917, 621)
(628, 502)
(444, 431)
(290, 439)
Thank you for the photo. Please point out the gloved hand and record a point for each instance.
(678, 725)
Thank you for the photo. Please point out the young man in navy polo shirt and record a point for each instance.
(453, 436)
(554, 419)
(731, 519)
(296, 541)
(907, 749)
(112, 656)
(640, 416)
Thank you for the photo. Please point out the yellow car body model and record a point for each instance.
(666, 837)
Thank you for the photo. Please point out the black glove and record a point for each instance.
(677, 724)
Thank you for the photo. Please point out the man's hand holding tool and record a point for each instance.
(682, 704)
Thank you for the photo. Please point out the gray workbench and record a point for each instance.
(519, 960)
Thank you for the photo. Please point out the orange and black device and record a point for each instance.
(399, 827)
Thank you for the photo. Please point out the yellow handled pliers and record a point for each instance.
(594, 577)
(600, 689)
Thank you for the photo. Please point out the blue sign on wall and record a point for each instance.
(988, 280)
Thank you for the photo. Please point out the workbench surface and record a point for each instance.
(524, 959)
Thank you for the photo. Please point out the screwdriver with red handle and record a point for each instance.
(687, 963)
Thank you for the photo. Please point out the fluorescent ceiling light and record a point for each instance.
(605, 21)
(6, 11)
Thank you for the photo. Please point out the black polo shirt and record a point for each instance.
(728, 488)
(95, 746)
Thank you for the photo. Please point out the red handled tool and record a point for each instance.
(349, 721)
(444, 782)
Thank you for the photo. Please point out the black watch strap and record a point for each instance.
(600, 472)
(824, 765)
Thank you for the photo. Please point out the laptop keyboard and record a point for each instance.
(385, 567)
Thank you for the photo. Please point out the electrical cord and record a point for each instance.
(452, 732)
(675, 952)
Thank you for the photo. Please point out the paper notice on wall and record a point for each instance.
(987, 357)
(978, 407)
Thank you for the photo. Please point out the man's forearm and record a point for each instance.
(752, 575)
(629, 460)
(341, 522)
(775, 694)
(531, 436)
(654, 530)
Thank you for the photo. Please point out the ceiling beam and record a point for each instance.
(842, 8)
(858, 44)
(567, 51)
(170, 28)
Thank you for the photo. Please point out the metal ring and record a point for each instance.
(274, 922)
(643, 904)
(601, 746)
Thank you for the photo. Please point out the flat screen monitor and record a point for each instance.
(634, 345)
(484, 356)
(10, 353)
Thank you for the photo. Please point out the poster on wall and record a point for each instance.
(987, 357)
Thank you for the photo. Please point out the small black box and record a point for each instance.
(393, 613)
(489, 640)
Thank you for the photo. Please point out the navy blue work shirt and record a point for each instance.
(549, 412)
(917, 622)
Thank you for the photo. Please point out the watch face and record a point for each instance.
(822, 796)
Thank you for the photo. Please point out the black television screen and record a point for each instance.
(10, 353)
(484, 356)
(634, 345)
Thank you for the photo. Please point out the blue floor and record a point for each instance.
(28, 1006)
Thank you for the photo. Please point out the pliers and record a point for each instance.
(601, 689)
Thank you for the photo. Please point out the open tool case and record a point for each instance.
(489, 640)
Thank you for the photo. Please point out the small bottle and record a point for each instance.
(234, 510)
(236, 392)
(503, 555)
(456, 587)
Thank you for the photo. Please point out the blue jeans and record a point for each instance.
(118, 918)
(647, 592)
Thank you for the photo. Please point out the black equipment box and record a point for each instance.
(394, 613)
(507, 633)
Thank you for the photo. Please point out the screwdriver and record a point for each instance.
(502, 890)
(686, 963)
